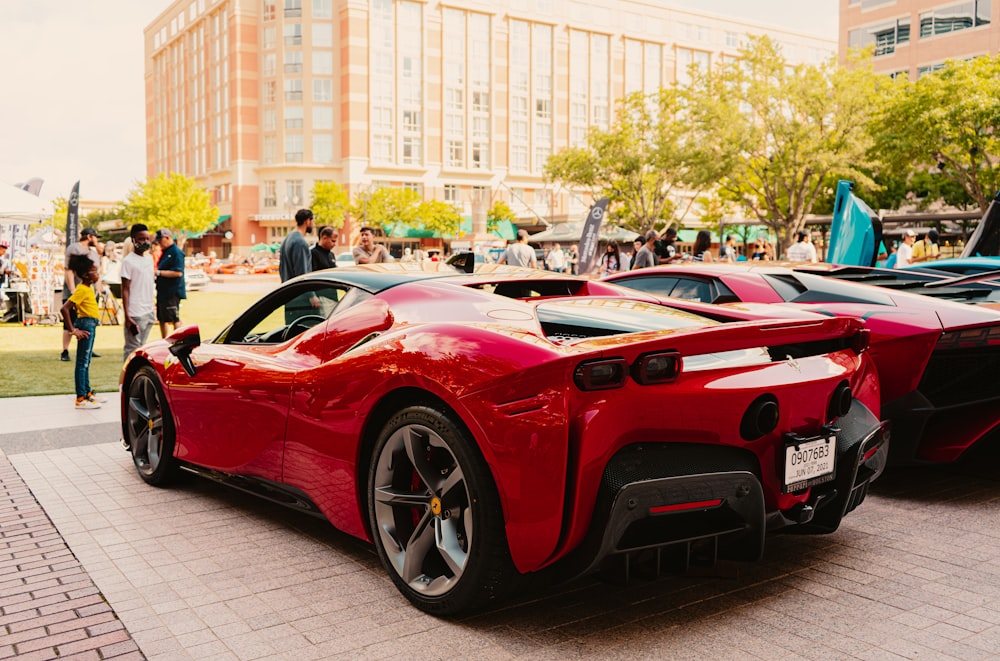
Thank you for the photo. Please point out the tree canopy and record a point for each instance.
(640, 163)
(330, 204)
(948, 123)
(384, 207)
(774, 136)
(171, 201)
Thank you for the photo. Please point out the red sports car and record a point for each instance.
(476, 427)
(937, 360)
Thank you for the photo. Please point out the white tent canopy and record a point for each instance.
(571, 231)
(18, 206)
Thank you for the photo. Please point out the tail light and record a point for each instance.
(861, 340)
(657, 368)
(970, 338)
(601, 374)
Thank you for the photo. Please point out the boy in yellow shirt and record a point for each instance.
(83, 303)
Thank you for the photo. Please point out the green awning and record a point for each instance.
(218, 221)
(505, 229)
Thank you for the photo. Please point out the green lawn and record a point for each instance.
(29, 356)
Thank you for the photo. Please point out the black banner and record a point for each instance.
(591, 237)
(73, 215)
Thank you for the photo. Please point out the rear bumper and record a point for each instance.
(724, 511)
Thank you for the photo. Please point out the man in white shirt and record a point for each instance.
(802, 250)
(557, 259)
(904, 255)
(138, 287)
(520, 253)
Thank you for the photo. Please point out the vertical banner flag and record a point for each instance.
(73, 215)
(587, 250)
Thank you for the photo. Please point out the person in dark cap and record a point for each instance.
(927, 248)
(87, 245)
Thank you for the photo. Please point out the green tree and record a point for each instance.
(640, 163)
(499, 212)
(949, 122)
(330, 203)
(172, 201)
(384, 207)
(775, 136)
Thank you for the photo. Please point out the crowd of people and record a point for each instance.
(152, 288)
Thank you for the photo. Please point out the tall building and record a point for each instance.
(260, 99)
(914, 37)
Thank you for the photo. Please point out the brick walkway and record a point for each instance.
(49, 606)
(199, 571)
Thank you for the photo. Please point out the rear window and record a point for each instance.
(807, 288)
(569, 320)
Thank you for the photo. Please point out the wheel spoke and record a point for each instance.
(448, 545)
(453, 487)
(417, 548)
(416, 444)
(399, 498)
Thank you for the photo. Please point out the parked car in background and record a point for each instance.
(195, 279)
(479, 426)
(936, 359)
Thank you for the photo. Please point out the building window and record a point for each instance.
(883, 35)
(455, 153)
(293, 89)
(293, 117)
(414, 186)
(411, 150)
(481, 101)
(293, 192)
(480, 155)
(322, 117)
(322, 63)
(381, 118)
(322, 34)
(322, 90)
(293, 61)
(293, 8)
(270, 12)
(270, 91)
(451, 193)
(960, 16)
(322, 8)
(293, 34)
(382, 148)
(322, 148)
(543, 108)
(270, 149)
(270, 194)
(269, 68)
(270, 120)
(519, 158)
(411, 121)
(293, 148)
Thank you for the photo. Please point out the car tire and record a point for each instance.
(149, 428)
(435, 514)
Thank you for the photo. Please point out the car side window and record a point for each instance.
(658, 286)
(286, 314)
(692, 290)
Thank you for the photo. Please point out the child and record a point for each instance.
(83, 303)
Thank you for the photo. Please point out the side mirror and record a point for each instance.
(463, 261)
(182, 343)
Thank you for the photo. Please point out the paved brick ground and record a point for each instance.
(203, 572)
(49, 606)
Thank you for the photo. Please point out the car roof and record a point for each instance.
(379, 277)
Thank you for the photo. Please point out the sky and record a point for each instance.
(72, 85)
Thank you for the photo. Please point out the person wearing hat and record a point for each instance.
(520, 253)
(927, 248)
(904, 255)
(87, 245)
(169, 274)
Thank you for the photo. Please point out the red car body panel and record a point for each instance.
(297, 412)
(904, 336)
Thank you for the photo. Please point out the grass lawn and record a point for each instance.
(29, 355)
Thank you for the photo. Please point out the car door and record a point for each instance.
(232, 413)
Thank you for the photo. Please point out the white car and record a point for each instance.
(345, 259)
(195, 279)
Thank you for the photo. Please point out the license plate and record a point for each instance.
(809, 462)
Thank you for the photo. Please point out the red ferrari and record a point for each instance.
(937, 360)
(477, 427)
